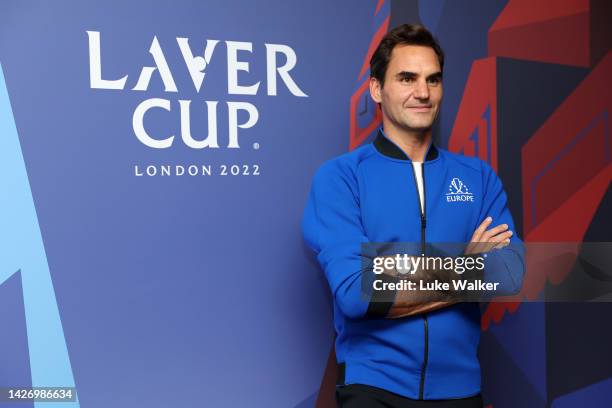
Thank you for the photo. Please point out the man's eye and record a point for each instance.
(407, 79)
(434, 81)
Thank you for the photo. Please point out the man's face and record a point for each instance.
(412, 93)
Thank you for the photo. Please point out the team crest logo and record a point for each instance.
(458, 191)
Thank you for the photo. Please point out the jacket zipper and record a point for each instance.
(423, 226)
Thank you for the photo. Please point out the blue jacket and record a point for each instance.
(370, 195)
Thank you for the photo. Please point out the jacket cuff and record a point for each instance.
(381, 301)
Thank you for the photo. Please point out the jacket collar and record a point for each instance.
(390, 149)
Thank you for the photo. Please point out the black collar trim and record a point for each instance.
(390, 149)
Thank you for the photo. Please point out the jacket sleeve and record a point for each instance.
(332, 227)
(506, 265)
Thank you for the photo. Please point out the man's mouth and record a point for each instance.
(424, 108)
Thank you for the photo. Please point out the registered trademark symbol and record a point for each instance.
(256, 146)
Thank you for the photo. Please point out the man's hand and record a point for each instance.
(411, 303)
(484, 240)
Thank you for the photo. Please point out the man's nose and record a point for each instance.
(422, 90)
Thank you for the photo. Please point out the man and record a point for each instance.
(398, 352)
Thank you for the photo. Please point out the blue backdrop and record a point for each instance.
(172, 291)
(197, 291)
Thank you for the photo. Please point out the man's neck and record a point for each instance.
(413, 143)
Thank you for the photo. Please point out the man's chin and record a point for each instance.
(418, 127)
(418, 123)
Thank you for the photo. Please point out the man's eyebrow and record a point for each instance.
(408, 74)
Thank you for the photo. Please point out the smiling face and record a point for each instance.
(412, 92)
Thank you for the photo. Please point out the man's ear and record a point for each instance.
(375, 88)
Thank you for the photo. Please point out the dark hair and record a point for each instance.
(405, 34)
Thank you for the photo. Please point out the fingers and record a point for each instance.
(476, 237)
(484, 240)
(482, 247)
(491, 234)
(502, 244)
(501, 237)
(499, 240)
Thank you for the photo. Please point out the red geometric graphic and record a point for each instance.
(475, 128)
(572, 145)
(547, 31)
(567, 168)
(359, 134)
